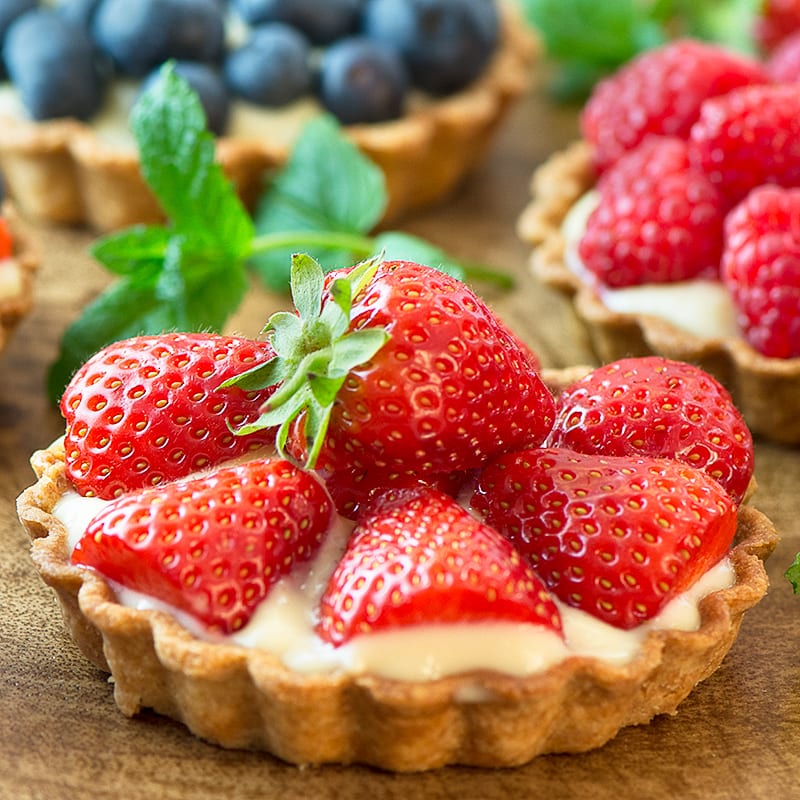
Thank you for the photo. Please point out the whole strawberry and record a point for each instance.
(761, 269)
(660, 92)
(211, 546)
(417, 557)
(395, 367)
(658, 219)
(749, 137)
(657, 407)
(150, 409)
(617, 537)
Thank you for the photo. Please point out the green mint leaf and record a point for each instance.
(177, 161)
(793, 574)
(399, 246)
(327, 186)
(137, 249)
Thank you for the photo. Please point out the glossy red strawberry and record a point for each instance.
(658, 219)
(749, 137)
(761, 269)
(6, 239)
(653, 406)
(660, 92)
(617, 537)
(211, 546)
(151, 409)
(783, 64)
(416, 557)
(776, 20)
(407, 372)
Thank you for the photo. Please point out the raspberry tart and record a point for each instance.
(78, 164)
(513, 592)
(670, 224)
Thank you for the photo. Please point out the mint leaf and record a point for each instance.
(399, 246)
(327, 185)
(793, 574)
(133, 250)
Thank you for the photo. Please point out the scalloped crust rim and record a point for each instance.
(59, 171)
(766, 390)
(242, 698)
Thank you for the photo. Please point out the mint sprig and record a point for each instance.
(192, 272)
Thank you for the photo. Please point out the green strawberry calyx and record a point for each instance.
(314, 352)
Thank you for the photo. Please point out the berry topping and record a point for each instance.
(53, 64)
(272, 67)
(445, 43)
(6, 239)
(660, 92)
(783, 64)
(761, 268)
(653, 406)
(659, 219)
(417, 557)
(139, 36)
(776, 20)
(362, 80)
(212, 546)
(151, 409)
(749, 137)
(617, 537)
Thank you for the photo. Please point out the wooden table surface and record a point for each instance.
(61, 736)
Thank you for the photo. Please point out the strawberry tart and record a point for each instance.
(673, 223)
(81, 165)
(385, 536)
(19, 262)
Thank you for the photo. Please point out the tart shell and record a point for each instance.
(59, 171)
(244, 698)
(766, 390)
(17, 299)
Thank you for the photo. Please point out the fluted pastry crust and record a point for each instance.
(61, 172)
(245, 698)
(766, 390)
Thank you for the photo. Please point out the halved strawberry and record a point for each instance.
(211, 546)
(396, 367)
(654, 406)
(151, 409)
(416, 557)
(615, 536)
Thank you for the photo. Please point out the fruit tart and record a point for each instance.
(19, 262)
(394, 74)
(671, 224)
(436, 555)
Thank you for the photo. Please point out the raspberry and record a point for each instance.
(761, 269)
(783, 64)
(661, 92)
(749, 137)
(777, 20)
(658, 219)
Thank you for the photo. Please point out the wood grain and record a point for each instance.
(737, 736)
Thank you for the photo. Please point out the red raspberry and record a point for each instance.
(783, 65)
(761, 268)
(660, 92)
(658, 219)
(777, 20)
(749, 137)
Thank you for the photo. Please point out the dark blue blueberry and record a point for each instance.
(141, 35)
(361, 80)
(9, 11)
(446, 43)
(272, 67)
(210, 87)
(322, 21)
(81, 11)
(52, 62)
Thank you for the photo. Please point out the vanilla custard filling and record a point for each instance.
(700, 307)
(283, 624)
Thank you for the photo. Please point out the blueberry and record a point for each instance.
(81, 11)
(446, 43)
(141, 35)
(361, 80)
(322, 21)
(272, 67)
(9, 11)
(52, 63)
(209, 86)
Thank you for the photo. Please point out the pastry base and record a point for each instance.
(766, 390)
(59, 171)
(17, 300)
(243, 698)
